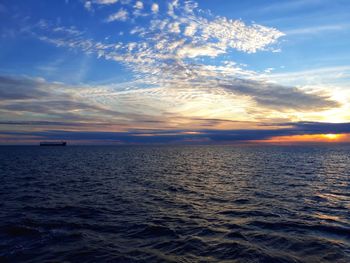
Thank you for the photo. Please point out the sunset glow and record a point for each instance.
(332, 136)
(175, 131)
(173, 71)
(311, 138)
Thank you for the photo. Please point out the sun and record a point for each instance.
(331, 136)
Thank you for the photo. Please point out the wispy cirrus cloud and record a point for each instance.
(121, 15)
(14, 88)
(182, 78)
(318, 75)
(155, 8)
(167, 53)
(124, 106)
(88, 5)
(105, 2)
(318, 29)
(220, 33)
(290, 5)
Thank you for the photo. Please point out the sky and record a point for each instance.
(174, 71)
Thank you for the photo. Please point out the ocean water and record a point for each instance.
(175, 204)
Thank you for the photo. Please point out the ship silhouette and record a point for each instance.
(61, 143)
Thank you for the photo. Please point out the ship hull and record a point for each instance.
(53, 144)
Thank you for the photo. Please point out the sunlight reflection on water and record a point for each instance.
(180, 203)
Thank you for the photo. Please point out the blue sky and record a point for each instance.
(180, 67)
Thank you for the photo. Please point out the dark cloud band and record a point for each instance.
(185, 136)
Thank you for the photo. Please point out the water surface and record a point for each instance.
(175, 204)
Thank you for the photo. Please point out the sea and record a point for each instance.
(238, 203)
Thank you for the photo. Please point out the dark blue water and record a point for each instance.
(175, 204)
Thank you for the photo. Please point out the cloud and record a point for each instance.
(236, 34)
(190, 30)
(317, 29)
(315, 74)
(21, 89)
(155, 8)
(53, 100)
(191, 51)
(88, 5)
(174, 28)
(183, 136)
(307, 127)
(138, 5)
(178, 59)
(60, 111)
(189, 34)
(163, 56)
(41, 101)
(279, 97)
(105, 2)
(44, 123)
(121, 15)
(290, 6)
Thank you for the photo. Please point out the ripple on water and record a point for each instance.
(175, 204)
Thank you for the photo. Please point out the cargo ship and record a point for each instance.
(53, 143)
